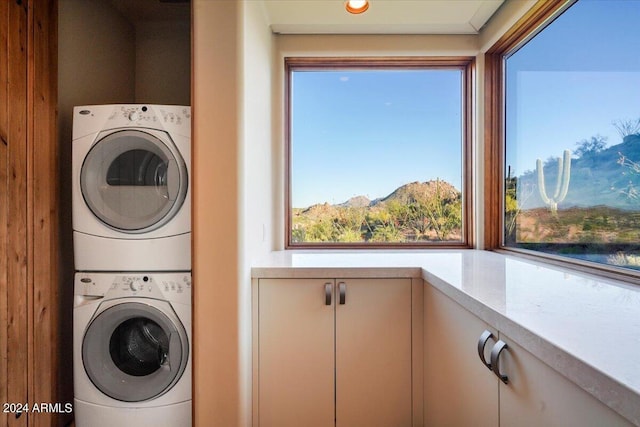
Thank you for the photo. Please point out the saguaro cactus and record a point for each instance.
(562, 182)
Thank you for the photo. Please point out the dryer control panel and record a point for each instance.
(174, 287)
(170, 118)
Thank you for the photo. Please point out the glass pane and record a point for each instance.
(572, 184)
(138, 167)
(132, 351)
(139, 347)
(126, 183)
(376, 156)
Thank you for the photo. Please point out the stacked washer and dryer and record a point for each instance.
(132, 255)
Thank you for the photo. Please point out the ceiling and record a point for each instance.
(383, 16)
(330, 16)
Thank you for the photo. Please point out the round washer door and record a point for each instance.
(134, 352)
(132, 181)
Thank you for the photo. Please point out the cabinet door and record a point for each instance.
(296, 354)
(458, 389)
(537, 395)
(373, 353)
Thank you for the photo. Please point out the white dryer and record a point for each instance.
(132, 349)
(131, 194)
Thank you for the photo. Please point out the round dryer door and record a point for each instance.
(133, 181)
(134, 352)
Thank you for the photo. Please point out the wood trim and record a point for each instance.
(289, 64)
(469, 96)
(464, 63)
(493, 155)
(375, 62)
(530, 23)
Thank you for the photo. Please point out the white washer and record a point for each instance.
(131, 191)
(132, 349)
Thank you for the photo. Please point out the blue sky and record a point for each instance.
(561, 92)
(369, 132)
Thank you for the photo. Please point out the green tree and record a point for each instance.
(349, 224)
(386, 233)
(321, 231)
(444, 214)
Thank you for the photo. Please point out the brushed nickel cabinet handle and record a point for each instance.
(495, 356)
(342, 288)
(327, 294)
(482, 343)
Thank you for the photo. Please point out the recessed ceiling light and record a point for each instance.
(357, 6)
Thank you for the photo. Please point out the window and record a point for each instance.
(377, 152)
(571, 166)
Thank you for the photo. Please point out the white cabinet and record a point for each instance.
(536, 395)
(460, 390)
(296, 354)
(333, 352)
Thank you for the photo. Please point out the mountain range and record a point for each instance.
(405, 194)
(414, 212)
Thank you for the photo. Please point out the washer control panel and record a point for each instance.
(175, 287)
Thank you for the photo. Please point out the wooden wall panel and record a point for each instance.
(43, 179)
(28, 209)
(4, 20)
(17, 251)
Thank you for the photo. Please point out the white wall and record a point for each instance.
(233, 203)
(256, 170)
(216, 216)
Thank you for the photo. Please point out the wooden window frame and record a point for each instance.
(463, 63)
(534, 21)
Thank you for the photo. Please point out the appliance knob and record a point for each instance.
(135, 285)
(134, 116)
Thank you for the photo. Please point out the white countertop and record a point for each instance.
(584, 326)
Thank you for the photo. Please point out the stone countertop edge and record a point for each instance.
(337, 272)
(603, 387)
(620, 397)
